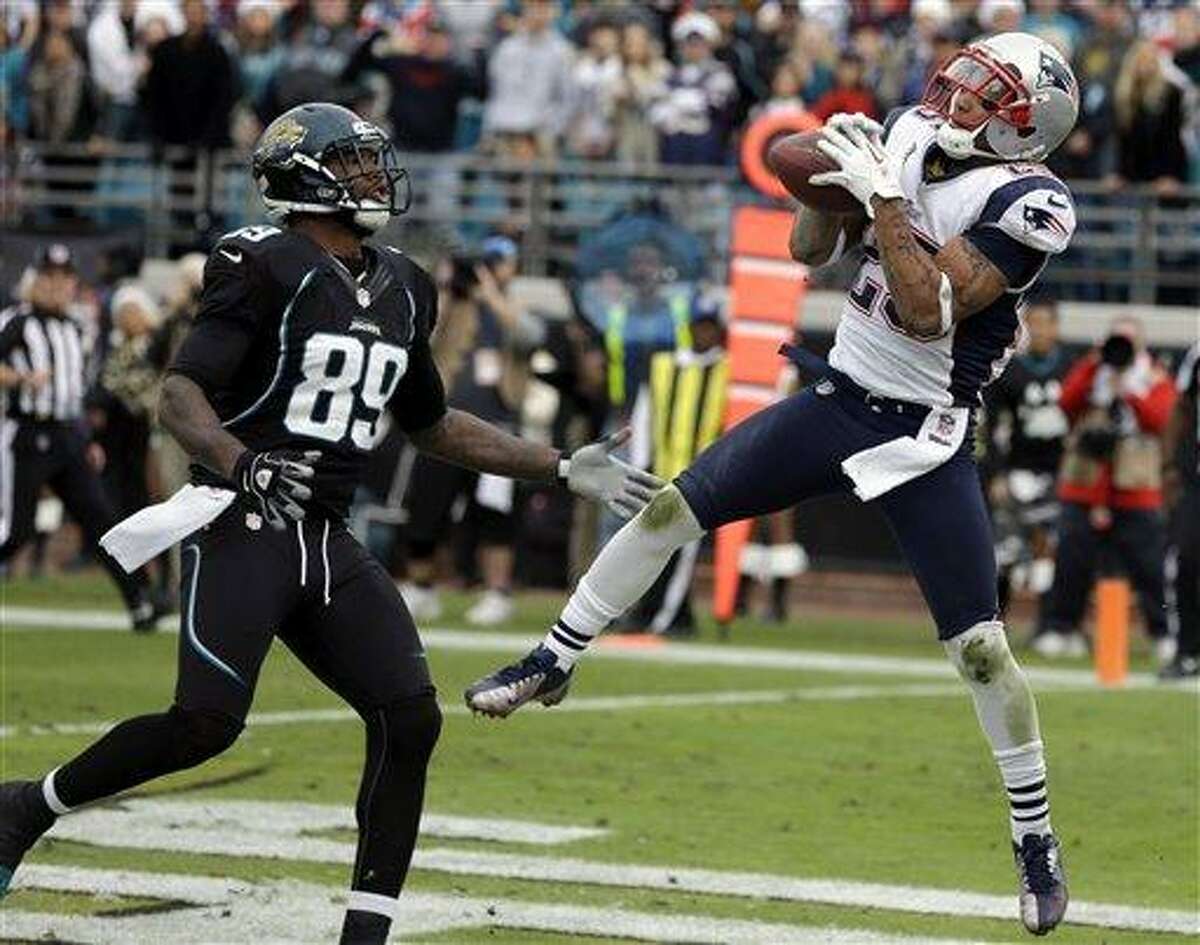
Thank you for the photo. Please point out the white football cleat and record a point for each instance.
(423, 602)
(492, 608)
(1050, 644)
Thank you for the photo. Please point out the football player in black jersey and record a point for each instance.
(304, 337)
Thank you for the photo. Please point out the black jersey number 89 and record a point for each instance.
(324, 405)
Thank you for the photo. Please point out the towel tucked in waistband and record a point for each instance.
(148, 533)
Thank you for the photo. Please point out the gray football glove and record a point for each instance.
(593, 472)
(275, 480)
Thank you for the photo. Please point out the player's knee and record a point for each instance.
(981, 653)
(412, 727)
(201, 734)
(668, 519)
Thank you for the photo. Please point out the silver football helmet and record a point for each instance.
(1024, 83)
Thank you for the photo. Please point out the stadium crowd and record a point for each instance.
(661, 80)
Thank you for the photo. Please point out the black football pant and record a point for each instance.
(1186, 526)
(1137, 541)
(333, 605)
(33, 455)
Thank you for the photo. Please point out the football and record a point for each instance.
(795, 159)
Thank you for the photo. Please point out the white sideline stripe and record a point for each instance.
(126, 826)
(273, 818)
(293, 913)
(693, 654)
(579, 704)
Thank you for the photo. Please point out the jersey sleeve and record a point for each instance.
(1035, 211)
(227, 321)
(420, 398)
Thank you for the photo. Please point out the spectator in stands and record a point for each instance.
(849, 93)
(774, 29)
(1110, 484)
(190, 85)
(427, 84)
(18, 39)
(643, 82)
(1090, 149)
(61, 99)
(259, 55)
(814, 54)
(66, 18)
(1046, 19)
(481, 347)
(694, 116)
(925, 46)
(1187, 42)
(118, 65)
(785, 91)
(529, 77)
(1182, 494)
(736, 50)
(1000, 16)
(1150, 119)
(314, 61)
(594, 82)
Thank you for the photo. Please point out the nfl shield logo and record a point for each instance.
(364, 298)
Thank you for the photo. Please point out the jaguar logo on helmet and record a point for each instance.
(286, 132)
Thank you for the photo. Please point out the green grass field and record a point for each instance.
(852, 777)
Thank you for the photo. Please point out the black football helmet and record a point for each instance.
(323, 158)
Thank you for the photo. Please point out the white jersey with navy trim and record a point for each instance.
(1002, 208)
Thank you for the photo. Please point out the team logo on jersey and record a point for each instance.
(1052, 73)
(1039, 218)
(253, 521)
(363, 296)
(361, 324)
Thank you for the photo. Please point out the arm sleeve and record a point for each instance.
(226, 324)
(1019, 262)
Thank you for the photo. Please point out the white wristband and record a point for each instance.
(946, 302)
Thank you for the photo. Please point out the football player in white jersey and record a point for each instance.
(958, 220)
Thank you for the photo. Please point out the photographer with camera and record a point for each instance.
(481, 345)
(1110, 483)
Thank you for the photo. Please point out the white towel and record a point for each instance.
(151, 531)
(888, 465)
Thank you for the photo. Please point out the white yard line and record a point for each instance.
(694, 654)
(636, 702)
(292, 913)
(191, 828)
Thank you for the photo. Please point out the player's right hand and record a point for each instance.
(275, 481)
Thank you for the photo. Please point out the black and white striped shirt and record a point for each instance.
(32, 341)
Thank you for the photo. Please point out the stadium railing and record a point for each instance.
(1130, 246)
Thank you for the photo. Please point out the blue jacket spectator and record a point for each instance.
(694, 117)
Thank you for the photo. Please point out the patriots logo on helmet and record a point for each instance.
(1039, 218)
(1052, 73)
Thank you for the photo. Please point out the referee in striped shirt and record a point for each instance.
(42, 437)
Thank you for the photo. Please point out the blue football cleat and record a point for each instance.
(24, 817)
(1043, 884)
(536, 676)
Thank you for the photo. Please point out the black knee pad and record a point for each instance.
(200, 734)
(411, 727)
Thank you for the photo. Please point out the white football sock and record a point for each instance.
(623, 571)
(1008, 715)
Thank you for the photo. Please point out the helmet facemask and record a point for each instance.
(1000, 92)
(372, 184)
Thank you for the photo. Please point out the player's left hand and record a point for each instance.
(867, 168)
(595, 473)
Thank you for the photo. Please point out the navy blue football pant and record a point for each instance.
(793, 451)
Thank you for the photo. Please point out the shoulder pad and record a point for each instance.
(417, 281)
(251, 236)
(1036, 210)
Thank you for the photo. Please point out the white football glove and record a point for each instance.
(867, 169)
(593, 472)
